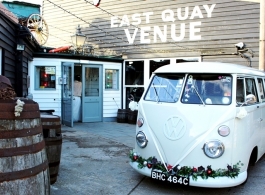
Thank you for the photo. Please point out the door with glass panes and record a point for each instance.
(92, 98)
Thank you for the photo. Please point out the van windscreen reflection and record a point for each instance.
(191, 89)
(165, 88)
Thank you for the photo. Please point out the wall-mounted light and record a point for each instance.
(20, 47)
(78, 39)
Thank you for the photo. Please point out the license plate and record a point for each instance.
(171, 178)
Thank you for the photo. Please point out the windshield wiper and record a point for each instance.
(198, 94)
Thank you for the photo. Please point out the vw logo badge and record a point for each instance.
(174, 128)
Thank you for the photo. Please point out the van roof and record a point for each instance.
(209, 67)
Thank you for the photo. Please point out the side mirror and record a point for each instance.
(250, 98)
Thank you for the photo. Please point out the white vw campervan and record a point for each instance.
(201, 124)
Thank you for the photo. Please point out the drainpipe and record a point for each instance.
(262, 36)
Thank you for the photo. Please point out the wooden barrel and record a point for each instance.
(122, 116)
(51, 126)
(23, 159)
(132, 116)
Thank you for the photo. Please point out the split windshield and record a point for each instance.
(191, 88)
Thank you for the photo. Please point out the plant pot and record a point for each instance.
(132, 116)
(122, 116)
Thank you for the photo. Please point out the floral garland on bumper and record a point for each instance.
(185, 171)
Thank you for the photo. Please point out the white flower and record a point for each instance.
(242, 113)
(19, 107)
(133, 105)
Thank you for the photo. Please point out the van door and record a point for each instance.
(92, 98)
(248, 127)
(261, 91)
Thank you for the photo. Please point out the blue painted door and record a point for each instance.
(92, 99)
(67, 95)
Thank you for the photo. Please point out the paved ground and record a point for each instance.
(95, 160)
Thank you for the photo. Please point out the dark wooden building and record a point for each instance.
(16, 50)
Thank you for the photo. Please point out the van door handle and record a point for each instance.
(260, 119)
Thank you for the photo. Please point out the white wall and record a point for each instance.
(110, 105)
(51, 99)
(47, 99)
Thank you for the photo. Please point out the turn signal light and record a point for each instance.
(140, 122)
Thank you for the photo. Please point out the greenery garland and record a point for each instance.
(185, 171)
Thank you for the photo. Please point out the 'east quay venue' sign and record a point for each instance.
(169, 17)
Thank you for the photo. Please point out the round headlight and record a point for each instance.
(224, 131)
(140, 122)
(141, 139)
(213, 149)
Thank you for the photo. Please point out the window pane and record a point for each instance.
(261, 89)
(187, 60)
(165, 88)
(133, 94)
(134, 73)
(92, 82)
(251, 88)
(240, 95)
(45, 77)
(213, 89)
(111, 79)
(155, 64)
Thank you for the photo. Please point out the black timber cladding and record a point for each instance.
(15, 63)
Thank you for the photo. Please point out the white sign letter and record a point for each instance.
(196, 12)
(147, 16)
(124, 21)
(182, 32)
(114, 19)
(168, 15)
(130, 39)
(136, 18)
(193, 30)
(157, 31)
(209, 10)
(144, 34)
(186, 14)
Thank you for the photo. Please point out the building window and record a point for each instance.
(111, 79)
(134, 74)
(134, 81)
(45, 77)
(133, 94)
(157, 63)
(180, 60)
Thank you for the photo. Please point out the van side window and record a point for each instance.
(251, 88)
(240, 95)
(261, 89)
